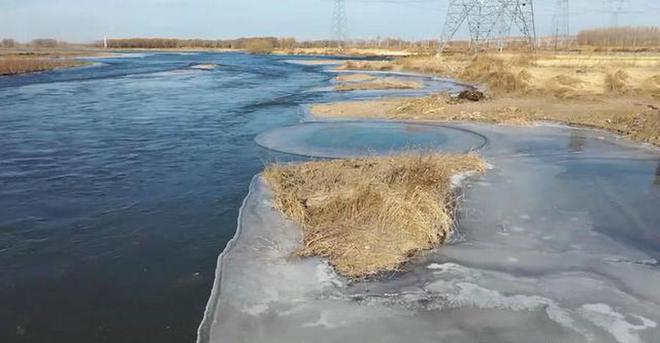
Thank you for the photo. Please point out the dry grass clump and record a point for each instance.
(259, 46)
(445, 108)
(369, 65)
(482, 66)
(427, 65)
(18, 65)
(425, 105)
(646, 127)
(565, 86)
(379, 84)
(617, 82)
(652, 86)
(356, 109)
(369, 215)
(525, 81)
(494, 72)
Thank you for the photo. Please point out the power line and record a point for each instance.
(561, 23)
(616, 8)
(488, 20)
(339, 22)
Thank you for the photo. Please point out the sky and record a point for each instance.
(90, 20)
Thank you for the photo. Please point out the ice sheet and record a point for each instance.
(558, 242)
(355, 138)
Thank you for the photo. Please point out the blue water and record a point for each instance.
(119, 184)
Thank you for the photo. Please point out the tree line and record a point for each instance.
(615, 37)
(622, 37)
(35, 43)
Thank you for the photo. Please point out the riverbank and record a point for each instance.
(618, 93)
(369, 215)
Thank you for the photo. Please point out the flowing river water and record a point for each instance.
(121, 182)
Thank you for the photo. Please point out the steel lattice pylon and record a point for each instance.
(339, 31)
(616, 7)
(561, 23)
(489, 19)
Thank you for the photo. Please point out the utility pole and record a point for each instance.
(561, 22)
(489, 19)
(339, 30)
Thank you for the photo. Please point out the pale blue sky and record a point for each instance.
(88, 20)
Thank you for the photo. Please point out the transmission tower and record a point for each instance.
(616, 7)
(489, 19)
(339, 31)
(561, 24)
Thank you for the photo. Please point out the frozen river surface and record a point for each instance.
(558, 242)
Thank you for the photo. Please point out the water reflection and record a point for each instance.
(577, 141)
(657, 175)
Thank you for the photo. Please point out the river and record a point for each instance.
(119, 184)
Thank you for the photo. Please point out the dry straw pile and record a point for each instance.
(369, 215)
(18, 65)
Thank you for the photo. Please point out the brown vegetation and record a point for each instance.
(621, 37)
(549, 74)
(616, 92)
(284, 45)
(172, 43)
(354, 78)
(8, 43)
(259, 46)
(369, 215)
(19, 64)
(634, 117)
(379, 84)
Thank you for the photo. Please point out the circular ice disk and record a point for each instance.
(350, 139)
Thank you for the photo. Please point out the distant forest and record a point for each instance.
(615, 37)
(625, 37)
(258, 44)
